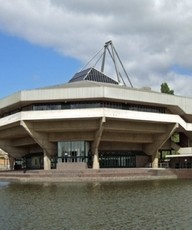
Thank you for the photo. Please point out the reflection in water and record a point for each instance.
(3, 183)
(114, 205)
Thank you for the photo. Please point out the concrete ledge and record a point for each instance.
(90, 175)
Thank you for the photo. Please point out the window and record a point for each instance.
(73, 151)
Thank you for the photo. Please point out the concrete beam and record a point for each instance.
(118, 125)
(96, 113)
(26, 141)
(66, 125)
(12, 151)
(12, 132)
(159, 140)
(40, 138)
(120, 146)
(76, 135)
(106, 136)
(127, 137)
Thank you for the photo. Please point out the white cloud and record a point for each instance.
(151, 36)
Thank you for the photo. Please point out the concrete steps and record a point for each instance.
(71, 166)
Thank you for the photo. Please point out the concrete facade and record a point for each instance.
(110, 117)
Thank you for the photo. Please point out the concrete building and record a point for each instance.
(94, 122)
(4, 160)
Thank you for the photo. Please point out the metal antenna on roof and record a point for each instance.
(113, 53)
(115, 58)
(91, 59)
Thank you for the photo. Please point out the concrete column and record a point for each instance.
(155, 160)
(47, 162)
(11, 162)
(96, 160)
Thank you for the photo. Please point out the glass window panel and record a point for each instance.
(74, 150)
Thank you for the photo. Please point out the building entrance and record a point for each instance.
(33, 161)
(73, 151)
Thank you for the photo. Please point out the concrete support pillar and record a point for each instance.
(96, 142)
(96, 160)
(155, 161)
(47, 162)
(11, 162)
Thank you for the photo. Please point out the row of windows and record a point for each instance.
(82, 105)
(113, 105)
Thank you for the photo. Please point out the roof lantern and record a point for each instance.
(91, 74)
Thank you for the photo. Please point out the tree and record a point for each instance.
(165, 89)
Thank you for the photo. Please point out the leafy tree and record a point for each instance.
(165, 89)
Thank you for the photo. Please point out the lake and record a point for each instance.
(165, 204)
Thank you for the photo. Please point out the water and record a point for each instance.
(95, 206)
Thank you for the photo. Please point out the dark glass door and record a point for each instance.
(117, 159)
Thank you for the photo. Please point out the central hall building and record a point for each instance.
(94, 122)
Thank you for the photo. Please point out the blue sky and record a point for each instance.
(26, 66)
(44, 43)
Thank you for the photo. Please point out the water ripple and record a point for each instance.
(120, 205)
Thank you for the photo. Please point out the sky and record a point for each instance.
(45, 42)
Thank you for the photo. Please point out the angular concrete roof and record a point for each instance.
(80, 89)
